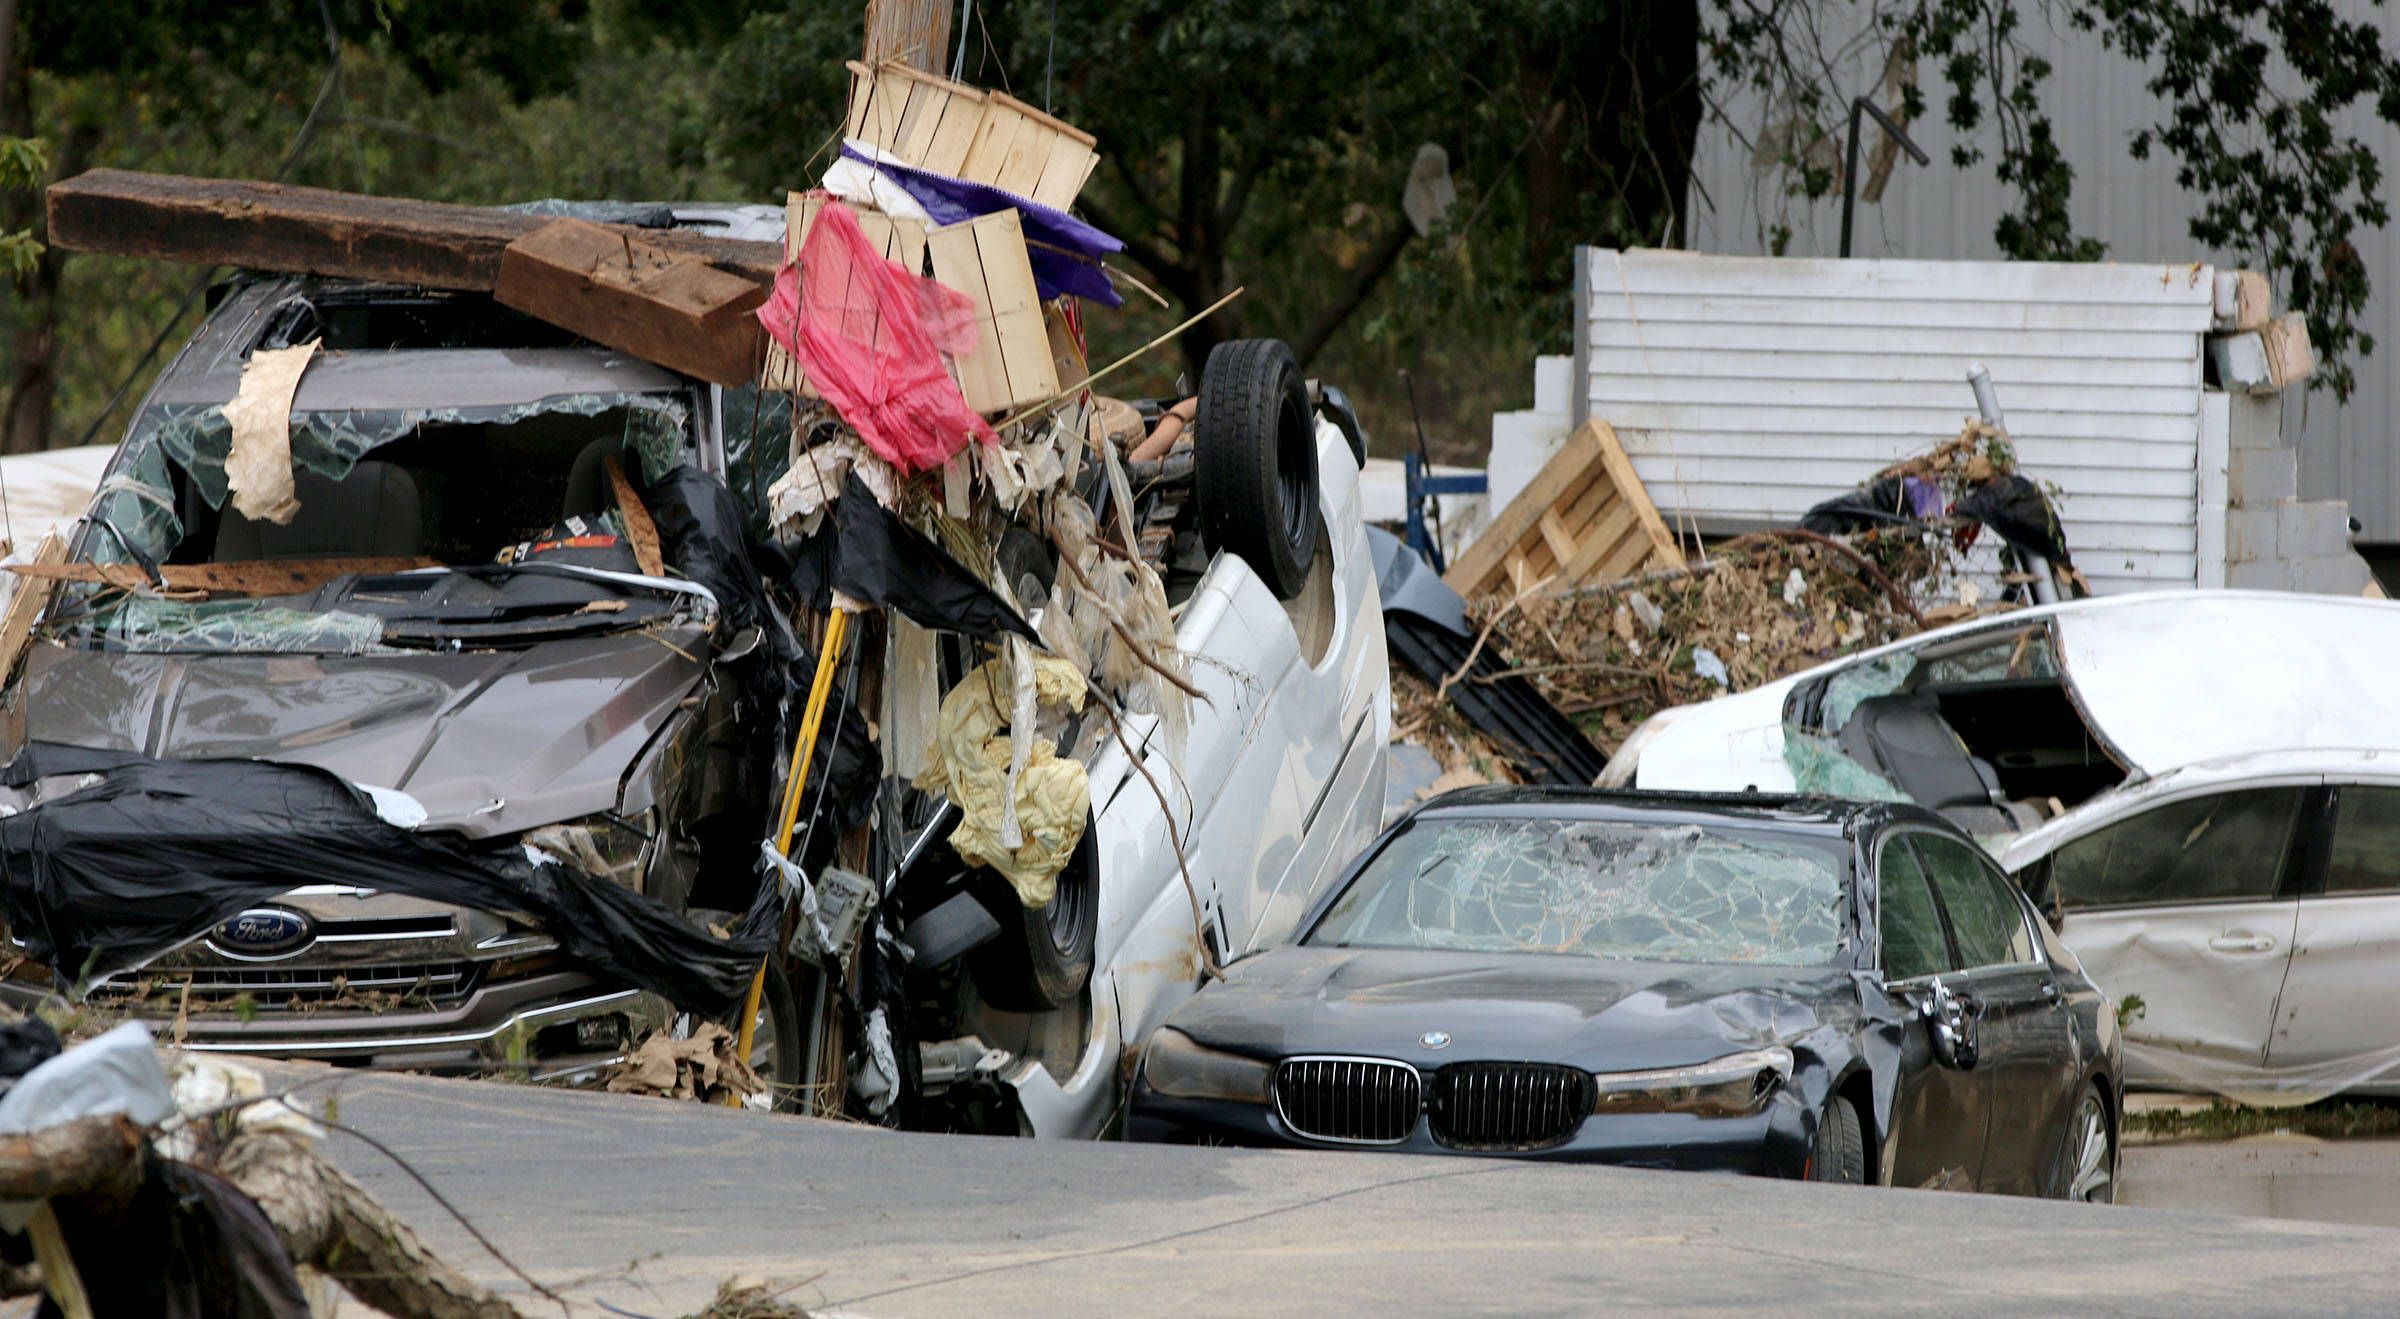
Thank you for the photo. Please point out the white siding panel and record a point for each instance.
(1748, 389)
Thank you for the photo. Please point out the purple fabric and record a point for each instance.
(1924, 498)
(1075, 270)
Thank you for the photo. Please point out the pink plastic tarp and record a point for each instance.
(869, 336)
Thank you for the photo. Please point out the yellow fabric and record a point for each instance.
(968, 763)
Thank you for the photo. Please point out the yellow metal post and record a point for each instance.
(829, 654)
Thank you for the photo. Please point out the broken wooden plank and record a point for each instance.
(16, 625)
(923, 119)
(280, 227)
(253, 577)
(1585, 517)
(630, 294)
(985, 258)
(640, 531)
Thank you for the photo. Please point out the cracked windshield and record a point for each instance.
(1598, 888)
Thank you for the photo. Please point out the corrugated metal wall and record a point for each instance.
(1747, 389)
(2097, 101)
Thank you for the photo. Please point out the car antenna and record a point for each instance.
(1423, 455)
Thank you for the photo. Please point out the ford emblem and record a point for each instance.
(1435, 1039)
(263, 932)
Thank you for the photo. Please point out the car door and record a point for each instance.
(2184, 913)
(2333, 1029)
(2024, 1040)
(1940, 1112)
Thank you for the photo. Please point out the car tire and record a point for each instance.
(1042, 957)
(776, 1041)
(1255, 462)
(1841, 1152)
(2088, 1153)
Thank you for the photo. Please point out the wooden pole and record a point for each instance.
(911, 32)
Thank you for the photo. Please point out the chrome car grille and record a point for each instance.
(1511, 1106)
(1349, 1101)
(279, 986)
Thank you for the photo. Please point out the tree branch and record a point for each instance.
(1363, 279)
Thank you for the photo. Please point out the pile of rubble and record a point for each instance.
(1608, 654)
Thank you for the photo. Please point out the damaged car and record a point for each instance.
(2194, 786)
(1783, 986)
(463, 761)
(433, 698)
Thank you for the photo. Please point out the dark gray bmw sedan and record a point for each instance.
(1793, 987)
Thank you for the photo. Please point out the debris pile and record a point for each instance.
(1867, 567)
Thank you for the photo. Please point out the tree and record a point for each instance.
(183, 82)
(2248, 92)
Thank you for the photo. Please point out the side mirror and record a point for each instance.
(1951, 1018)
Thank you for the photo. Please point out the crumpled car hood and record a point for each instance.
(1583, 1011)
(490, 742)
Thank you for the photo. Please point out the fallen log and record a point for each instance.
(330, 1223)
(274, 226)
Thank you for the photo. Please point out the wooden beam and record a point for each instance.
(260, 577)
(635, 295)
(272, 226)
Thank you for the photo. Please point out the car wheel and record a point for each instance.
(2091, 1153)
(1042, 957)
(1255, 462)
(1841, 1152)
(777, 1044)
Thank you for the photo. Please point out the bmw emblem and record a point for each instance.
(263, 932)
(1435, 1039)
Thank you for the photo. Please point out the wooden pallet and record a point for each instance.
(989, 137)
(1585, 518)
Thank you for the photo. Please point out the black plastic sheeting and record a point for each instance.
(158, 852)
(2016, 508)
(703, 537)
(866, 553)
(1424, 624)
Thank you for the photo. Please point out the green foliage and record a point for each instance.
(23, 165)
(2248, 95)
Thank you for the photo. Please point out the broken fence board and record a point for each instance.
(1586, 517)
(985, 258)
(637, 297)
(280, 227)
(24, 607)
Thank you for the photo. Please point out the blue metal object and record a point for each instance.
(1423, 485)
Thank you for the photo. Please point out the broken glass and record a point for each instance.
(1847, 689)
(1819, 769)
(1599, 888)
(137, 508)
(141, 623)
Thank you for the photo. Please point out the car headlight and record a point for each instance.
(608, 846)
(1180, 1068)
(1724, 1087)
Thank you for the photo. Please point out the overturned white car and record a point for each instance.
(2202, 789)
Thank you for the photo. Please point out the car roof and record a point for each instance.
(2176, 678)
(1797, 813)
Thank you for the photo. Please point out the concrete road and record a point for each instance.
(645, 1204)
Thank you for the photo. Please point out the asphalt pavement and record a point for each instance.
(645, 1204)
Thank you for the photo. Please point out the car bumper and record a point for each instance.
(1773, 1142)
(542, 1025)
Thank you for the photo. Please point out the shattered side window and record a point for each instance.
(1852, 687)
(2016, 655)
(1598, 888)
